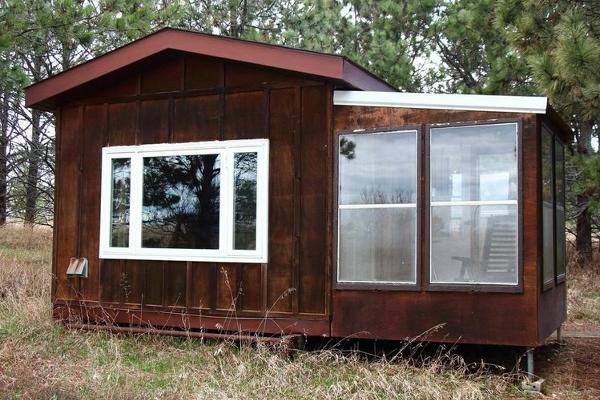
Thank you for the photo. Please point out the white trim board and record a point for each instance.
(473, 102)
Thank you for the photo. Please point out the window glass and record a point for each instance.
(473, 199)
(474, 163)
(120, 196)
(244, 232)
(559, 155)
(377, 207)
(181, 202)
(193, 201)
(378, 244)
(547, 206)
(378, 168)
(474, 244)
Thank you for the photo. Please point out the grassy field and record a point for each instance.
(41, 359)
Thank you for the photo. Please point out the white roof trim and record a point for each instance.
(474, 102)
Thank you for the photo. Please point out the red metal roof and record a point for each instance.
(328, 66)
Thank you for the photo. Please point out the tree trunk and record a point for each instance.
(583, 242)
(4, 105)
(31, 180)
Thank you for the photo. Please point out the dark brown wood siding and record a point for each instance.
(476, 316)
(178, 98)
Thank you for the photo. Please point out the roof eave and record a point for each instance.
(327, 66)
(493, 103)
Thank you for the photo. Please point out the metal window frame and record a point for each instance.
(516, 287)
(371, 284)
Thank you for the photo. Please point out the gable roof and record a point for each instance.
(328, 66)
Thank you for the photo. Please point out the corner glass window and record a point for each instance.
(559, 178)
(473, 187)
(377, 212)
(547, 207)
(203, 201)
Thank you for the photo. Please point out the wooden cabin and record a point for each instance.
(221, 185)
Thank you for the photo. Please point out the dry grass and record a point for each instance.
(41, 359)
(584, 293)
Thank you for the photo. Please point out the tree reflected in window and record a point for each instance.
(121, 185)
(245, 201)
(181, 202)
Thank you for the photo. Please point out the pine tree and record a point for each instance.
(560, 40)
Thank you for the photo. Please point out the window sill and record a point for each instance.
(375, 286)
(475, 287)
(246, 259)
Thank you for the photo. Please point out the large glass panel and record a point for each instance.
(559, 159)
(377, 201)
(473, 163)
(379, 168)
(377, 245)
(474, 244)
(181, 202)
(547, 207)
(244, 192)
(120, 195)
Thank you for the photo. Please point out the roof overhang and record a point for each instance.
(472, 102)
(327, 66)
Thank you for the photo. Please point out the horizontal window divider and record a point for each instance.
(482, 283)
(364, 206)
(474, 203)
(375, 283)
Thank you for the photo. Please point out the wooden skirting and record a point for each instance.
(93, 312)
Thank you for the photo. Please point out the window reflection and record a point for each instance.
(379, 168)
(120, 189)
(474, 244)
(474, 163)
(473, 216)
(244, 231)
(547, 206)
(181, 202)
(377, 207)
(559, 155)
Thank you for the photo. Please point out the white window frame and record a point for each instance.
(225, 252)
(450, 203)
(379, 206)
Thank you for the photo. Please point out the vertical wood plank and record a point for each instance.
(228, 286)
(313, 221)
(196, 119)
(251, 287)
(202, 286)
(68, 184)
(284, 117)
(175, 284)
(94, 138)
(203, 73)
(245, 115)
(163, 74)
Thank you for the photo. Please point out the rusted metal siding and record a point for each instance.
(461, 314)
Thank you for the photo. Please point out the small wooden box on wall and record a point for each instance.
(78, 268)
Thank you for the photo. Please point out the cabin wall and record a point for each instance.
(176, 97)
(470, 316)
